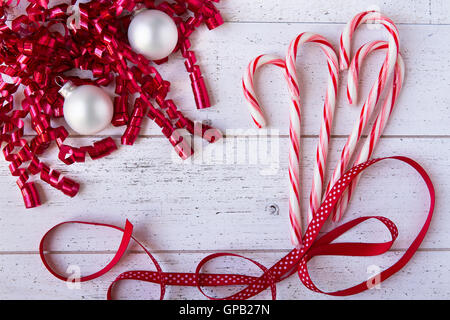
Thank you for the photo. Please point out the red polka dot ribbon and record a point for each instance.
(295, 261)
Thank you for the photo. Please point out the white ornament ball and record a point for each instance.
(153, 34)
(87, 109)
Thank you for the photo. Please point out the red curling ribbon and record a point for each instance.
(30, 195)
(199, 88)
(121, 116)
(294, 262)
(35, 54)
(100, 149)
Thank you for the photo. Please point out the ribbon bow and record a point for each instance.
(295, 261)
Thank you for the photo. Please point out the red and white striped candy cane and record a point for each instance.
(375, 92)
(254, 106)
(295, 122)
(326, 123)
(395, 88)
(368, 17)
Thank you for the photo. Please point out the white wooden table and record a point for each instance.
(183, 212)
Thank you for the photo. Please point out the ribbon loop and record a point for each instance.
(224, 279)
(324, 245)
(127, 235)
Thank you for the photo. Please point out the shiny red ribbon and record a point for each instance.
(35, 54)
(294, 262)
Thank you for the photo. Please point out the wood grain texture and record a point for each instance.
(23, 276)
(422, 110)
(319, 11)
(238, 202)
(336, 11)
(201, 206)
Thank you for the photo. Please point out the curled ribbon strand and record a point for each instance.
(294, 261)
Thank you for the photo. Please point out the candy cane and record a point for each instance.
(327, 119)
(368, 17)
(383, 116)
(375, 92)
(295, 122)
(254, 106)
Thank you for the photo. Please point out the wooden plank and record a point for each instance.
(230, 205)
(183, 212)
(24, 277)
(323, 11)
(440, 11)
(425, 49)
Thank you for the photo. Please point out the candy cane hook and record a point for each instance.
(368, 17)
(254, 106)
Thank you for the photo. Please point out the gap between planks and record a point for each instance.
(338, 136)
(328, 23)
(137, 252)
